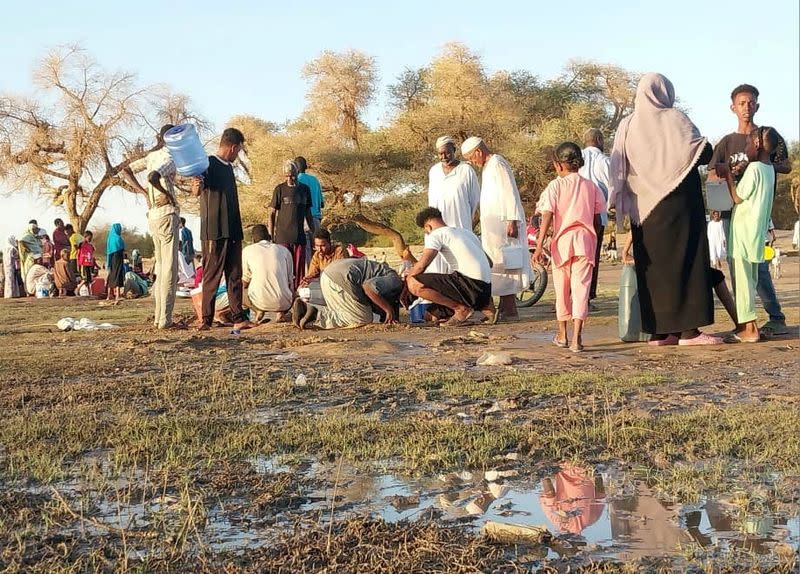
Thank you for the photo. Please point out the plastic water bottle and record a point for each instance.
(187, 151)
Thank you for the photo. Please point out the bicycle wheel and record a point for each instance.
(536, 289)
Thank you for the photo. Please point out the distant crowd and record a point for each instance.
(293, 271)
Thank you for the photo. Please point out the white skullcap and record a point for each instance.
(289, 167)
(470, 145)
(444, 140)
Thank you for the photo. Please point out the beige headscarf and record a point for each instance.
(654, 150)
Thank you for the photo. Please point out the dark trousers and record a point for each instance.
(298, 251)
(222, 256)
(593, 288)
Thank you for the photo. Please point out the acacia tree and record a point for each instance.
(518, 114)
(76, 140)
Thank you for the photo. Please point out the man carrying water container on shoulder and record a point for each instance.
(221, 229)
(162, 220)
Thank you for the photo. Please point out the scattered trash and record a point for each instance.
(493, 475)
(301, 380)
(401, 503)
(235, 332)
(83, 324)
(478, 335)
(490, 359)
(498, 490)
(502, 405)
(480, 504)
(512, 456)
(286, 357)
(515, 533)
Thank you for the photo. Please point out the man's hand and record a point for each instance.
(195, 185)
(512, 229)
(538, 256)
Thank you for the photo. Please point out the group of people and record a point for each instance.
(37, 266)
(651, 180)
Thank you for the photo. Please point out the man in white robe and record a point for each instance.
(452, 189)
(502, 223)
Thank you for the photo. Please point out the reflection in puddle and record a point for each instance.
(619, 519)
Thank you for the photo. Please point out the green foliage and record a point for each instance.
(517, 113)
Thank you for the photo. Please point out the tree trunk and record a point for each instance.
(377, 228)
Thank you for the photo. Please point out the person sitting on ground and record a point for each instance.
(267, 275)
(134, 286)
(65, 280)
(354, 290)
(467, 287)
(325, 253)
(35, 274)
(136, 262)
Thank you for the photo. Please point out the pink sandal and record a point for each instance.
(701, 339)
(669, 340)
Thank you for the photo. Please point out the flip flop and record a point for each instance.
(453, 322)
(560, 344)
(578, 349)
(734, 338)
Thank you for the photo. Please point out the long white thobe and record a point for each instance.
(500, 203)
(456, 195)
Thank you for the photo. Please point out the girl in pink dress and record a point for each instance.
(571, 206)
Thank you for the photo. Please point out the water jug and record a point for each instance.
(186, 150)
(630, 314)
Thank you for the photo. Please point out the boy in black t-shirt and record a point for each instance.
(289, 207)
(221, 229)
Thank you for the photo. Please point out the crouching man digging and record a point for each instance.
(354, 291)
(468, 288)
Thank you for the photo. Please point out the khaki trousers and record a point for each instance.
(164, 230)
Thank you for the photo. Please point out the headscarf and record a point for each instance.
(12, 240)
(31, 243)
(655, 148)
(114, 242)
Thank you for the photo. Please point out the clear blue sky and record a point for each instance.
(245, 57)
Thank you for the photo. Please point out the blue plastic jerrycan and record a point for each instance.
(187, 151)
(630, 313)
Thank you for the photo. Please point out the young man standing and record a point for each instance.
(162, 220)
(221, 229)
(289, 208)
(186, 243)
(468, 285)
(595, 169)
(730, 151)
(317, 200)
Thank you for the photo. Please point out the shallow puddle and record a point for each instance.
(604, 514)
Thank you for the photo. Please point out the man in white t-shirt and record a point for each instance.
(468, 286)
(268, 276)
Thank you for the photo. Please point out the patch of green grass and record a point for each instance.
(520, 383)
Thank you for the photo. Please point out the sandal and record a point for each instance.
(453, 322)
(560, 344)
(731, 338)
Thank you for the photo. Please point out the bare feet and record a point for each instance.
(243, 325)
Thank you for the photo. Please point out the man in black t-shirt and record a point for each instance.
(290, 206)
(730, 150)
(221, 229)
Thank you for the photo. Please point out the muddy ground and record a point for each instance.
(389, 449)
